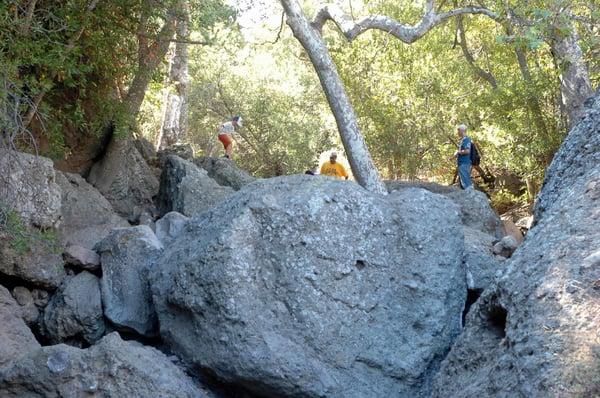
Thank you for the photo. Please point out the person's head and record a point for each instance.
(237, 121)
(333, 157)
(461, 130)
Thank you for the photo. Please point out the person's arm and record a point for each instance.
(465, 148)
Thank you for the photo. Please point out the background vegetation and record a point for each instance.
(408, 98)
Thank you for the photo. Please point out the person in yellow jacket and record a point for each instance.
(333, 169)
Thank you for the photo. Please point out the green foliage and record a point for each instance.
(20, 236)
(286, 122)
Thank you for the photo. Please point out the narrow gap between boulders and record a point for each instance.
(472, 297)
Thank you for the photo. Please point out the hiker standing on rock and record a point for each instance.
(333, 168)
(463, 158)
(226, 132)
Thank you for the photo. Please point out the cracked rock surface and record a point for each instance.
(307, 286)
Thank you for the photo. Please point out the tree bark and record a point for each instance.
(462, 42)
(532, 100)
(356, 149)
(174, 123)
(149, 57)
(405, 33)
(575, 85)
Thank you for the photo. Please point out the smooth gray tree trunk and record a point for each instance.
(174, 123)
(362, 165)
(575, 85)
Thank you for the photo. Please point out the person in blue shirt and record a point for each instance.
(463, 158)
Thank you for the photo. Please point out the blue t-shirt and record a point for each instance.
(465, 143)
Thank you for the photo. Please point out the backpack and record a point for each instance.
(475, 155)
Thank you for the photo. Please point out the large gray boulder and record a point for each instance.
(31, 258)
(124, 178)
(300, 286)
(475, 209)
(16, 338)
(127, 254)
(28, 187)
(74, 313)
(225, 172)
(112, 368)
(187, 188)
(170, 226)
(481, 263)
(535, 332)
(87, 216)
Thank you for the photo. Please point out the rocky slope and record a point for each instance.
(534, 333)
(294, 286)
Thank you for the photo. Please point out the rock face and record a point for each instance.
(75, 311)
(126, 255)
(187, 189)
(170, 226)
(80, 257)
(183, 151)
(125, 179)
(475, 208)
(27, 186)
(301, 286)
(476, 212)
(535, 333)
(112, 368)
(480, 261)
(16, 338)
(38, 262)
(87, 215)
(225, 172)
(29, 311)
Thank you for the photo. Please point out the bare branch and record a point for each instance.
(405, 33)
(485, 75)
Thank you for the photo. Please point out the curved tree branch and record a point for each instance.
(406, 33)
(462, 42)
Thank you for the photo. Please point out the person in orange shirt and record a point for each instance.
(333, 169)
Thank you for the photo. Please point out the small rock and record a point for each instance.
(80, 257)
(25, 299)
(506, 247)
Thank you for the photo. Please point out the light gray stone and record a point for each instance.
(16, 338)
(506, 246)
(170, 226)
(74, 314)
(125, 179)
(476, 211)
(480, 261)
(126, 255)
(225, 172)
(88, 216)
(24, 298)
(27, 186)
(301, 286)
(112, 368)
(81, 257)
(534, 333)
(187, 188)
(39, 263)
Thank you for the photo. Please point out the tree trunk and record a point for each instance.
(148, 60)
(174, 123)
(575, 85)
(358, 154)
